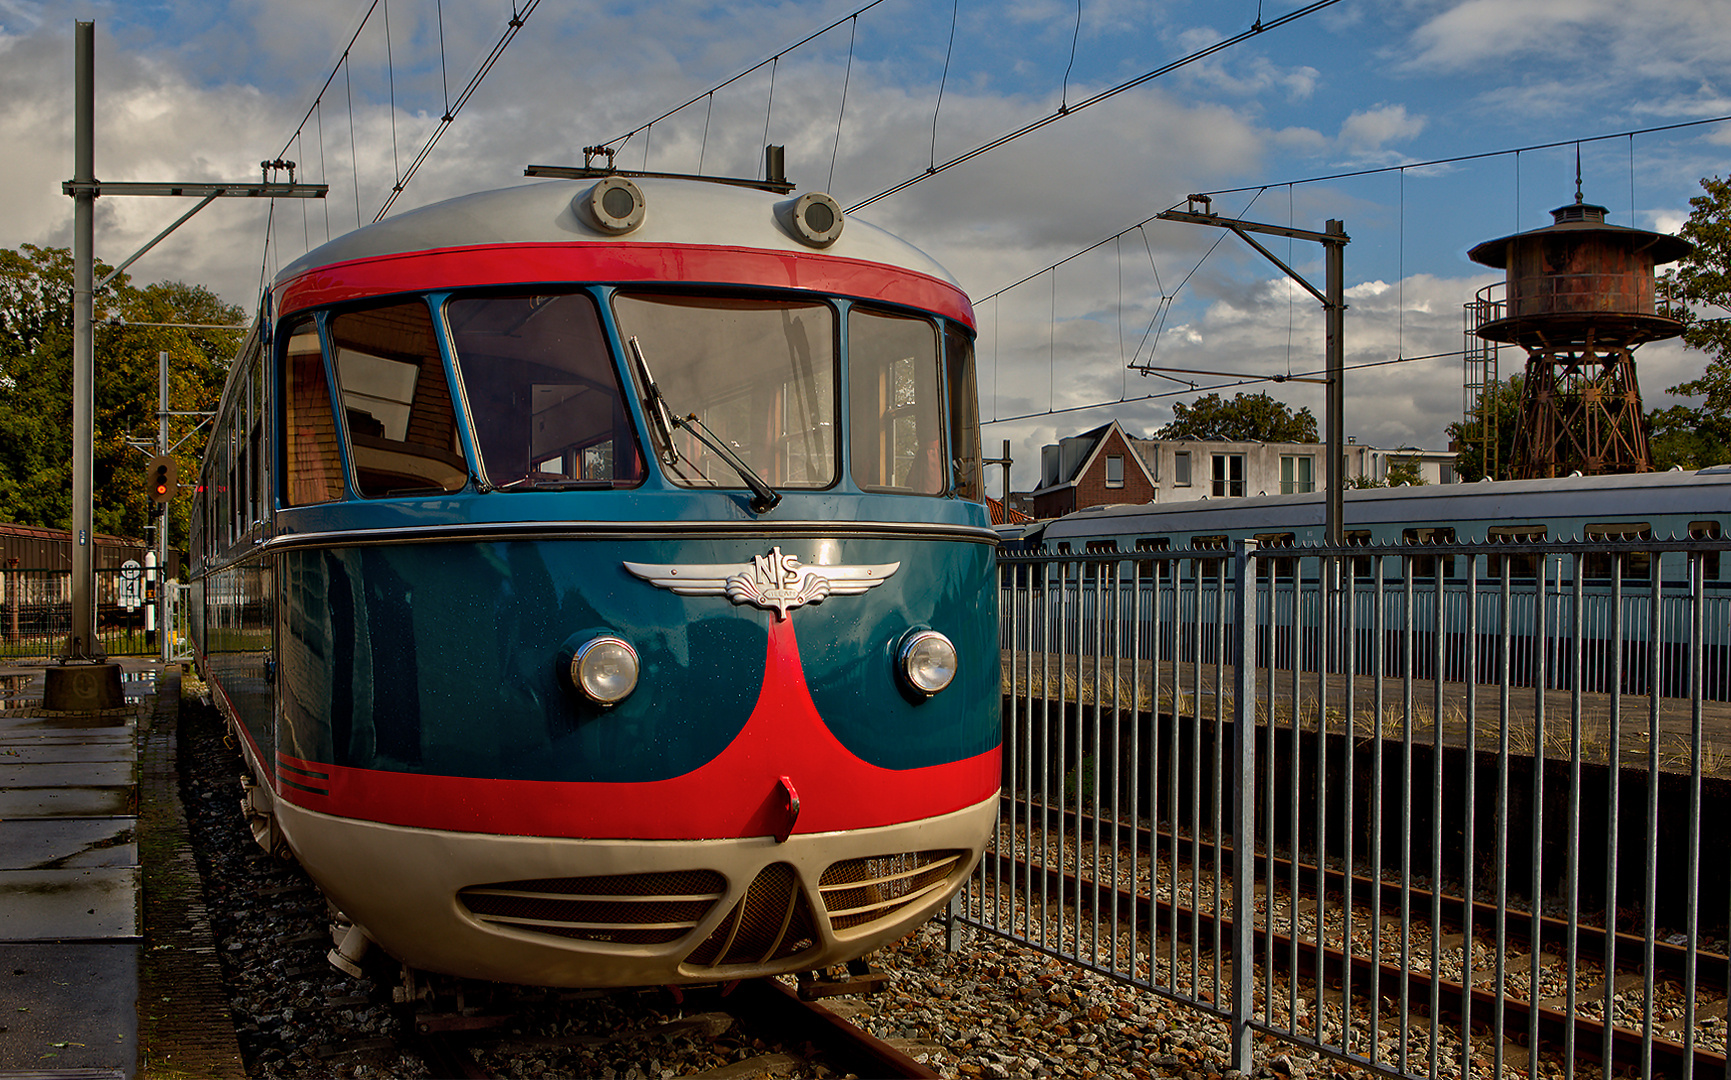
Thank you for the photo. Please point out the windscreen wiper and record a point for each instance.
(763, 497)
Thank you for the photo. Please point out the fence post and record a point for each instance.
(1244, 813)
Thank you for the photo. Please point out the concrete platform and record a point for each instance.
(71, 913)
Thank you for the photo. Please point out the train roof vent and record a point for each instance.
(615, 205)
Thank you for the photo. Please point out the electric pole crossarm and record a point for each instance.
(1254, 226)
(233, 191)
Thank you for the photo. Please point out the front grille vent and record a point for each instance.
(859, 891)
(771, 922)
(629, 909)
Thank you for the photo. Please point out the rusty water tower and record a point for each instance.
(1579, 299)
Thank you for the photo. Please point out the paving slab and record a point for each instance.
(67, 843)
(79, 903)
(66, 774)
(65, 750)
(67, 802)
(66, 1007)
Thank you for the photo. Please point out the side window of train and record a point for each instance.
(1099, 547)
(542, 394)
(1521, 566)
(397, 403)
(1707, 530)
(312, 464)
(1637, 565)
(1282, 567)
(1206, 568)
(897, 439)
(1363, 566)
(1425, 566)
(964, 413)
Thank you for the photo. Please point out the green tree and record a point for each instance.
(1246, 418)
(36, 388)
(1501, 408)
(1699, 288)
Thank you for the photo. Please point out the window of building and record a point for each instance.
(1229, 475)
(1114, 470)
(1297, 474)
(1181, 468)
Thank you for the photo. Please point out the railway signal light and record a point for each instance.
(162, 478)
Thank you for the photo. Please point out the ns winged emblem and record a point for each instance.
(775, 582)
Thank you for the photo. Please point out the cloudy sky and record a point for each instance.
(201, 90)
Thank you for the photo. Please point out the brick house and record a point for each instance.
(1090, 469)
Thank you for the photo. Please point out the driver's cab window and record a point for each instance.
(542, 395)
(396, 401)
(895, 409)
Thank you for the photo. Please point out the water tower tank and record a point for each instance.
(1579, 297)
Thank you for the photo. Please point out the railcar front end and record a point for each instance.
(611, 605)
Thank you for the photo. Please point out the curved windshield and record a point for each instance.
(759, 374)
(544, 401)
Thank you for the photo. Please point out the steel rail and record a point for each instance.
(845, 1046)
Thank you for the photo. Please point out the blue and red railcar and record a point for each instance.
(596, 576)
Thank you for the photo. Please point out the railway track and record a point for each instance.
(787, 1036)
(1382, 967)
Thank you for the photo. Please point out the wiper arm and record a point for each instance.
(764, 498)
(654, 404)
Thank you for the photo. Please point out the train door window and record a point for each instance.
(402, 427)
(1297, 474)
(1637, 565)
(1283, 567)
(1707, 530)
(312, 465)
(964, 399)
(1181, 468)
(759, 373)
(1229, 475)
(545, 404)
(897, 438)
(1424, 566)
(1523, 565)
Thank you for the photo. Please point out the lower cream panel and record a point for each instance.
(401, 886)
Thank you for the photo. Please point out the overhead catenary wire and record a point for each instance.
(1071, 110)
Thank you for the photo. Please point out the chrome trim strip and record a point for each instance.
(632, 530)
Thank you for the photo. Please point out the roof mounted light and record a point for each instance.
(615, 205)
(816, 218)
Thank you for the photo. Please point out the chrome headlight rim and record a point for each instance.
(592, 680)
(912, 662)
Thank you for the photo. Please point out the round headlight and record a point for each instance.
(928, 661)
(605, 669)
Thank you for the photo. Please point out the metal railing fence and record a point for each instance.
(1441, 770)
(36, 613)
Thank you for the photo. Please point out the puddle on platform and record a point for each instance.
(20, 691)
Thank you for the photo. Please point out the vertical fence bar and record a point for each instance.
(1348, 834)
(1613, 800)
(1572, 848)
(1651, 899)
(1469, 842)
(1541, 651)
(1692, 880)
(1505, 641)
(1244, 814)
(1407, 656)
